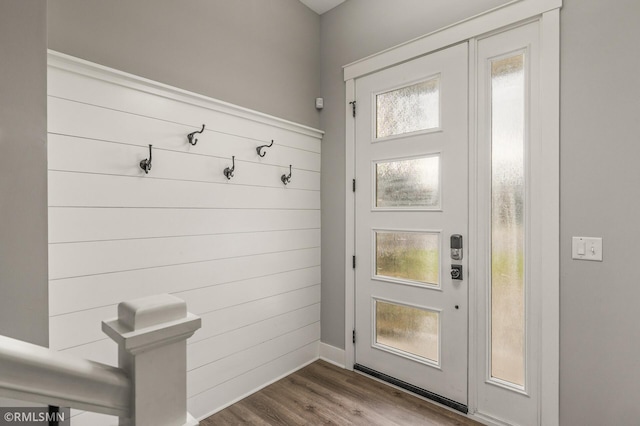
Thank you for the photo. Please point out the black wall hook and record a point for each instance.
(191, 135)
(146, 163)
(286, 179)
(228, 172)
(259, 149)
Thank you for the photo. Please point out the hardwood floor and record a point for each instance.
(323, 394)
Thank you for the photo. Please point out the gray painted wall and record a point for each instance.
(600, 176)
(24, 307)
(600, 91)
(260, 54)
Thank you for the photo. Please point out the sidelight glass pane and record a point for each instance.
(411, 256)
(408, 329)
(408, 183)
(408, 109)
(507, 219)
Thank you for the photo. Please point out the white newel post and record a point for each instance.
(152, 334)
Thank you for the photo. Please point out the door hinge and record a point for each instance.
(353, 336)
(354, 185)
(353, 107)
(354, 262)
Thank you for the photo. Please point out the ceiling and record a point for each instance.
(321, 6)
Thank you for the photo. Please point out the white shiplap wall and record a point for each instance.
(244, 254)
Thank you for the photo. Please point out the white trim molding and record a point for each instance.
(350, 228)
(510, 15)
(499, 17)
(121, 78)
(550, 238)
(332, 355)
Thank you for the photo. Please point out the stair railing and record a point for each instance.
(149, 386)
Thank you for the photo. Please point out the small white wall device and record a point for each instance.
(586, 248)
(319, 103)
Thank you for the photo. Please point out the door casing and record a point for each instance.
(510, 15)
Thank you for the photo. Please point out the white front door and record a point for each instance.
(411, 198)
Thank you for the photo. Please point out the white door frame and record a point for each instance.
(547, 12)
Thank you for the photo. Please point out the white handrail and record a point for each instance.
(33, 373)
(149, 388)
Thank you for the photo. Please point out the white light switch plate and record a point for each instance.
(587, 248)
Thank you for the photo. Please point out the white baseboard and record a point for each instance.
(332, 355)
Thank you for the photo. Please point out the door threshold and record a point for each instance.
(413, 389)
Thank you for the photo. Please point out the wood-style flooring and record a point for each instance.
(323, 394)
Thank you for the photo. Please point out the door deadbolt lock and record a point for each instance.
(456, 272)
(456, 247)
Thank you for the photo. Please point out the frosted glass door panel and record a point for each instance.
(408, 329)
(413, 183)
(409, 256)
(408, 109)
(507, 219)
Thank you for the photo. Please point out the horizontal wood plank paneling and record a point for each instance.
(104, 351)
(69, 118)
(209, 299)
(215, 373)
(86, 325)
(97, 157)
(81, 293)
(79, 328)
(226, 306)
(90, 258)
(243, 253)
(224, 320)
(69, 189)
(69, 224)
(215, 348)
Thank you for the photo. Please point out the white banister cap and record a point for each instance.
(148, 311)
(151, 322)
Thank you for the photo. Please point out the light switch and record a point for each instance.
(587, 248)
